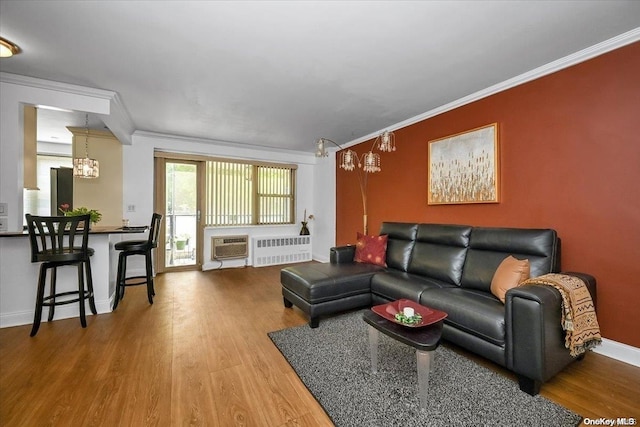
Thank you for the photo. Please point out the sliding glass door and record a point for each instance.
(178, 197)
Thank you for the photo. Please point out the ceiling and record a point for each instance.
(282, 73)
(52, 124)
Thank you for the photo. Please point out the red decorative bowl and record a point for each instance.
(389, 310)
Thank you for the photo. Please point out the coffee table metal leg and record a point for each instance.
(373, 347)
(425, 363)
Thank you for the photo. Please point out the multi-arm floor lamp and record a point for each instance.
(368, 163)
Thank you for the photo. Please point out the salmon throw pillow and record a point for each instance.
(371, 249)
(509, 274)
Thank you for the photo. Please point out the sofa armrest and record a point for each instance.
(342, 254)
(535, 346)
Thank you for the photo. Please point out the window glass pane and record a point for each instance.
(275, 195)
(181, 214)
(229, 193)
(247, 194)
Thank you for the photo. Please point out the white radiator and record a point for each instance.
(274, 250)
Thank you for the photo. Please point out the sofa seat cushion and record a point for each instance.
(317, 283)
(475, 312)
(393, 285)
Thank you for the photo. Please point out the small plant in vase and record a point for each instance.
(304, 231)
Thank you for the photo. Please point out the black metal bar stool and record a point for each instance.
(128, 248)
(60, 241)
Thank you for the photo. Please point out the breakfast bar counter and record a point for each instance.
(19, 276)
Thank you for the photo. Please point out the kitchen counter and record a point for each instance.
(94, 230)
(19, 276)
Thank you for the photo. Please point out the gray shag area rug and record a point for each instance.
(333, 362)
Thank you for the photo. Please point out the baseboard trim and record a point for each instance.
(619, 351)
(320, 258)
(225, 263)
(20, 318)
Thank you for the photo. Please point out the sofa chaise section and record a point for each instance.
(450, 268)
(322, 289)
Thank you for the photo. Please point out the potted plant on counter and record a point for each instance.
(94, 215)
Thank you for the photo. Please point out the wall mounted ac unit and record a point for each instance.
(229, 247)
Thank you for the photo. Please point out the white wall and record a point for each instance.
(323, 228)
(316, 177)
(138, 184)
(14, 97)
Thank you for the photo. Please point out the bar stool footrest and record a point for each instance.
(46, 300)
(143, 280)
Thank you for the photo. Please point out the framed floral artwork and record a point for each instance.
(465, 167)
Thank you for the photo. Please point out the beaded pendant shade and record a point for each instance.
(86, 167)
(387, 141)
(371, 162)
(348, 160)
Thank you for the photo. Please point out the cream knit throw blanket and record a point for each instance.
(578, 313)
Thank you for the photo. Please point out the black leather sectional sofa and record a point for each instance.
(450, 267)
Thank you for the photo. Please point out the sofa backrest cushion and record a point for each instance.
(440, 251)
(489, 246)
(401, 238)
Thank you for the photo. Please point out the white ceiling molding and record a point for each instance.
(55, 86)
(117, 120)
(202, 146)
(552, 67)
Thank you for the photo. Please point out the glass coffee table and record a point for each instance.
(424, 337)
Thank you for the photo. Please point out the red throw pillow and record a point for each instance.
(371, 249)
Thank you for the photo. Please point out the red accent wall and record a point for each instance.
(570, 160)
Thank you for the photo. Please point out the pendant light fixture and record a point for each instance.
(86, 167)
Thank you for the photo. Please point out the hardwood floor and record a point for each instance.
(200, 356)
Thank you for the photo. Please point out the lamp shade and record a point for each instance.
(371, 162)
(86, 168)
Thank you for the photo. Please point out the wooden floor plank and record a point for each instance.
(200, 356)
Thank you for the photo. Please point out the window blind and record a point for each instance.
(248, 194)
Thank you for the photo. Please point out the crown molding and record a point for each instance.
(55, 86)
(220, 143)
(552, 67)
(118, 120)
(217, 148)
(121, 124)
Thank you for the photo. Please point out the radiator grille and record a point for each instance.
(275, 250)
(228, 247)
